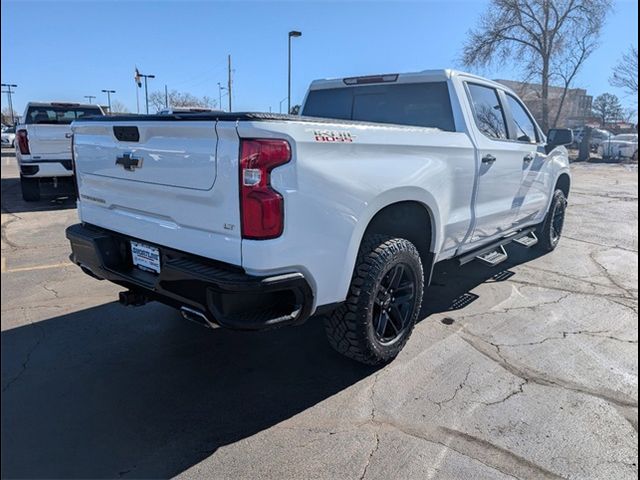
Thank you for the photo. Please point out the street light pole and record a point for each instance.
(220, 89)
(146, 92)
(8, 91)
(280, 107)
(292, 34)
(90, 97)
(109, 92)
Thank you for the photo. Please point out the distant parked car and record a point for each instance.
(598, 137)
(9, 137)
(623, 146)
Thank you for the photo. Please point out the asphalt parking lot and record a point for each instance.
(529, 370)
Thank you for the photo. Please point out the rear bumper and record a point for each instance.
(46, 168)
(225, 294)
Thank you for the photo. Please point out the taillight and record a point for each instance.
(23, 142)
(261, 207)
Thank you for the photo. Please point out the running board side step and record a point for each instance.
(495, 253)
(528, 240)
(493, 257)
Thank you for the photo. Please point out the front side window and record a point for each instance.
(525, 128)
(488, 112)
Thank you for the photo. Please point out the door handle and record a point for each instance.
(528, 158)
(488, 158)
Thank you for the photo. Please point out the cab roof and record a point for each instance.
(62, 104)
(435, 75)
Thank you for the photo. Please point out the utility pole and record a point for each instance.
(89, 97)
(9, 92)
(292, 34)
(166, 97)
(229, 80)
(109, 92)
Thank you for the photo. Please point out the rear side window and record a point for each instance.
(417, 104)
(58, 115)
(487, 111)
(526, 130)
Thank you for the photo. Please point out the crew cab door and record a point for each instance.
(501, 161)
(537, 177)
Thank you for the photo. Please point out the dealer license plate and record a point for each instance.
(145, 257)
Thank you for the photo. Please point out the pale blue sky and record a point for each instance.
(63, 50)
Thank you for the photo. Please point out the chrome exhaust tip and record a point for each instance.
(196, 316)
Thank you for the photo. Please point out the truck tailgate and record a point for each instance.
(49, 141)
(156, 181)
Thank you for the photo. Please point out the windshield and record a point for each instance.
(419, 104)
(59, 115)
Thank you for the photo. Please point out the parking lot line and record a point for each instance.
(34, 267)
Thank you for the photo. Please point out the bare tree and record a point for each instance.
(565, 69)
(625, 73)
(630, 115)
(118, 107)
(547, 38)
(180, 99)
(607, 108)
(6, 116)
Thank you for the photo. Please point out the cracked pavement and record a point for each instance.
(528, 370)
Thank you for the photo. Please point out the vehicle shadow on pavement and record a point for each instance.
(452, 284)
(118, 392)
(12, 201)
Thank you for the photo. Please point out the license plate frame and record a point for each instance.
(145, 257)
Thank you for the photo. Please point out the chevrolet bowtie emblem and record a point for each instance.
(129, 162)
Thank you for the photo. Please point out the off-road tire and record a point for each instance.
(350, 328)
(550, 231)
(30, 189)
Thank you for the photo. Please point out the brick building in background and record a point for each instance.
(576, 110)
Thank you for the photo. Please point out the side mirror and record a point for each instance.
(559, 136)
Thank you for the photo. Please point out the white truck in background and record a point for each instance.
(254, 220)
(43, 146)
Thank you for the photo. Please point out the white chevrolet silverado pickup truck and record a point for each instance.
(250, 220)
(43, 148)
